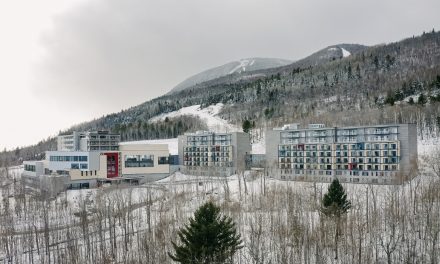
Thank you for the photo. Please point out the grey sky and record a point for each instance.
(104, 55)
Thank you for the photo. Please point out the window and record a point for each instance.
(84, 166)
(74, 166)
(164, 160)
(29, 167)
(135, 161)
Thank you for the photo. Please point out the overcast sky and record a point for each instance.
(68, 61)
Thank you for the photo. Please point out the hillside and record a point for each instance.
(235, 67)
(372, 85)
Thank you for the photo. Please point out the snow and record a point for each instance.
(427, 146)
(259, 147)
(208, 114)
(345, 53)
(332, 49)
(331, 99)
(171, 142)
(242, 65)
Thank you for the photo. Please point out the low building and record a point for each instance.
(213, 154)
(48, 185)
(147, 161)
(384, 154)
(131, 162)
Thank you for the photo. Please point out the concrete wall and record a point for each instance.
(92, 160)
(158, 150)
(87, 174)
(242, 147)
(272, 142)
(39, 168)
(182, 141)
(408, 149)
(49, 185)
(209, 171)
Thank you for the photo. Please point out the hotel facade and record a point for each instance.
(213, 154)
(382, 154)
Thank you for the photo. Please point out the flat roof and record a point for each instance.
(342, 127)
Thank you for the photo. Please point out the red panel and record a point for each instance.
(112, 165)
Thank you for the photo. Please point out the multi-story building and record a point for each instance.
(145, 162)
(99, 159)
(385, 154)
(213, 154)
(89, 141)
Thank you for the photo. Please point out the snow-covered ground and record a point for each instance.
(331, 99)
(259, 147)
(208, 114)
(345, 53)
(427, 146)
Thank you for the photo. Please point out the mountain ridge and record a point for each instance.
(238, 66)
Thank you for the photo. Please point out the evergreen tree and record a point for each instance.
(411, 101)
(335, 201)
(422, 99)
(390, 98)
(399, 95)
(334, 205)
(209, 238)
(358, 71)
(246, 126)
(349, 72)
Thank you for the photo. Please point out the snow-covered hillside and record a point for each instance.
(208, 114)
(249, 64)
(345, 53)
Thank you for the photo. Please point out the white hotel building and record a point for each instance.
(384, 154)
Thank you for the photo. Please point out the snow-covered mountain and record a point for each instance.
(243, 65)
(328, 54)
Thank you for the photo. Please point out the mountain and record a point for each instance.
(330, 53)
(373, 85)
(326, 55)
(243, 65)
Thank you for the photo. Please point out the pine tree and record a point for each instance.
(209, 238)
(422, 99)
(334, 205)
(335, 201)
(246, 126)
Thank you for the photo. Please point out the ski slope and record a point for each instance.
(209, 115)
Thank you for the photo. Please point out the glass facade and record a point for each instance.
(135, 161)
(68, 158)
(28, 167)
